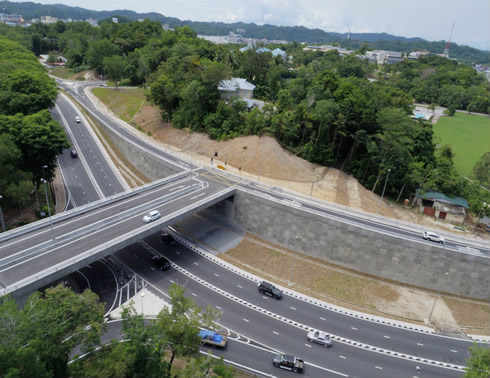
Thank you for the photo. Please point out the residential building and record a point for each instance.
(325, 48)
(48, 20)
(438, 205)
(279, 52)
(384, 56)
(236, 87)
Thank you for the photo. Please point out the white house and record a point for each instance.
(236, 87)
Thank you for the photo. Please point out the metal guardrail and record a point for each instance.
(90, 206)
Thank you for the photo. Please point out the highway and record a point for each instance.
(341, 358)
(124, 216)
(370, 221)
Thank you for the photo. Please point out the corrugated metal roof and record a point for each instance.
(436, 196)
(234, 84)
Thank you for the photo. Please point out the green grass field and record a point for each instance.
(469, 137)
(123, 102)
(62, 72)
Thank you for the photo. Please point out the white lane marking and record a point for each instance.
(240, 286)
(194, 294)
(420, 344)
(343, 357)
(172, 281)
(308, 345)
(322, 318)
(263, 296)
(246, 320)
(379, 367)
(199, 195)
(196, 263)
(454, 351)
(354, 328)
(275, 333)
(387, 337)
(177, 252)
(152, 268)
(177, 187)
(219, 308)
(216, 274)
(292, 308)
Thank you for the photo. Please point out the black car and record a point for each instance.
(166, 237)
(160, 262)
(270, 290)
(74, 154)
(288, 362)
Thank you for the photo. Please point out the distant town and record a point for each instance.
(375, 56)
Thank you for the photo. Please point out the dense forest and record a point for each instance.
(298, 34)
(328, 109)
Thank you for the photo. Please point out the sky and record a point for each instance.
(428, 19)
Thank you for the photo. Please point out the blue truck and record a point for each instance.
(213, 338)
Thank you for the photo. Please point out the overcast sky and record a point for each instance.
(428, 19)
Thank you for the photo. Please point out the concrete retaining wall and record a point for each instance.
(415, 263)
(151, 166)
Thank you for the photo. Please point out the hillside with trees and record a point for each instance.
(298, 34)
(29, 137)
(320, 106)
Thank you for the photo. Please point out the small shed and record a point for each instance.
(438, 205)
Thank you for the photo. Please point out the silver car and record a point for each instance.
(319, 337)
(432, 236)
(151, 216)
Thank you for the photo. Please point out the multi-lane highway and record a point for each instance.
(241, 314)
(362, 347)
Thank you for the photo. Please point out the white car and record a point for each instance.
(319, 337)
(77, 119)
(151, 216)
(432, 236)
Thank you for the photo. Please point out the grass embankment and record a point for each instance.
(125, 103)
(469, 137)
(62, 72)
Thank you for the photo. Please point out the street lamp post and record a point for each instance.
(1, 217)
(168, 122)
(311, 190)
(478, 217)
(49, 211)
(142, 298)
(384, 187)
(437, 297)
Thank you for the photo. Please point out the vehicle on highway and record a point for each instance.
(160, 262)
(74, 154)
(151, 216)
(166, 237)
(270, 290)
(213, 338)
(319, 337)
(77, 119)
(288, 362)
(432, 236)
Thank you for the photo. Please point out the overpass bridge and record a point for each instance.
(37, 254)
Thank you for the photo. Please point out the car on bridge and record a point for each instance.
(160, 262)
(432, 236)
(77, 119)
(151, 216)
(319, 337)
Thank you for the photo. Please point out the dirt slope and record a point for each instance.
(265, 160)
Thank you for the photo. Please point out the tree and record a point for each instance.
(26, 92)
(38, 339)
(98, 50)
(20, 193)
(481, 170)
(478, 364)
(178, 327)
(114, 68)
